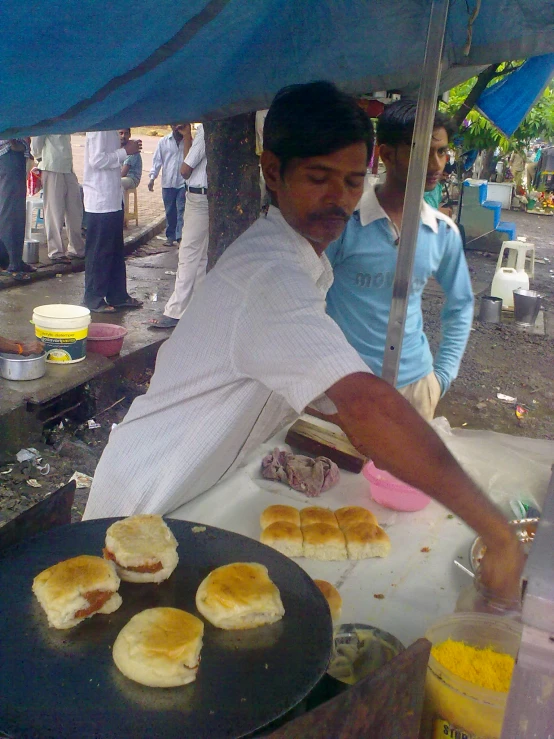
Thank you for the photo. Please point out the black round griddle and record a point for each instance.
(57, 684)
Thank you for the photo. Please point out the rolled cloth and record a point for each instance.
(309, 476)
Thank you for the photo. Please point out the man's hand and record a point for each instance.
(501, 568)
(151, 185)
(382, 425)
(133, 146)
(32, 347)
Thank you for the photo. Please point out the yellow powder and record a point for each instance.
(483, 667)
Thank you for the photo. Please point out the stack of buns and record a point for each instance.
(351, 532)
(142, 548)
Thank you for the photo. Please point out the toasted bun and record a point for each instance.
(365, 540)
(142, 542)
(277, 513)
(61, 590)
(160, 647)
(322, 541)
(315, 514)
(353, 514)
(332, 596)
(239, 596)
(284, 537)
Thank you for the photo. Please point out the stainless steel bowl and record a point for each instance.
(360, 649)
(16, 367)
(525, 529)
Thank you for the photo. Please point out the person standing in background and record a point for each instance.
(13, 193)
(131, 171)
(62, 197)
(168, 157)
(193, 251)
(364, 265)
(105, 275)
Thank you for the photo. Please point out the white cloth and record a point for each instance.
(168, 157)
(54, 151)
(193, 254)
(62, 203)
(253, 350)
(102, 173)
(196, 159)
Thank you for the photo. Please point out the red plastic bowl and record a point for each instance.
(105, 338)
(390, 492)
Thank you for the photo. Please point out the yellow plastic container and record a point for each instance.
(455, 708)
(63, 329)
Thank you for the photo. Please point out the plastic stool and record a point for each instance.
(517, 256)
(131, 215)
(33, 202)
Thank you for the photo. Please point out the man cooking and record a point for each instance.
(256, 347)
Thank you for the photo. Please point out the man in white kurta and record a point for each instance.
(254, 348)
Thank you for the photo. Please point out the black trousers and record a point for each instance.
(105, 276)
(13, 193)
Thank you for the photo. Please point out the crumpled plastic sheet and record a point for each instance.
(505, 467)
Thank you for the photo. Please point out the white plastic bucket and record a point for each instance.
(63, 329)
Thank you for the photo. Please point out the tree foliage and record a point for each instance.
(478, 133)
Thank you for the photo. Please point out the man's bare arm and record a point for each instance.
(381, 424)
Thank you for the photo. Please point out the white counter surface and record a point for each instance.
(418, 586)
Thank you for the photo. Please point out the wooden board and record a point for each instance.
(314, 439)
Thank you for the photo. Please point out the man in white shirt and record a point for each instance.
(193, 251)
(62, 196)
(168, 157)
(105, 275)
(256, 347)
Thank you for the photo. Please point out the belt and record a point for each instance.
(197, 190)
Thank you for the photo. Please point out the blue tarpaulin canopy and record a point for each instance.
(507, 102)
(76, 66)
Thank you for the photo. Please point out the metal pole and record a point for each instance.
(423, 128)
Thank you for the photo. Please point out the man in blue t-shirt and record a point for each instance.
(364, 263)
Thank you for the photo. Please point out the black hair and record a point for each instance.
(125, 129)
(396, 123)
(312, 120)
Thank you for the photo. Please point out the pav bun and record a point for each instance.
(365, 540)
(278, 513)
(316, 514)
(77, 588)
(142, 548)
(239, 596)
(284, 537)
(325, 542)
(160, 647)
(352, 514)
(332, 596)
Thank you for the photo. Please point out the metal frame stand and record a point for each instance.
(423, 129)
(530, 707)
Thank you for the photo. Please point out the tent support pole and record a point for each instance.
(423, 128)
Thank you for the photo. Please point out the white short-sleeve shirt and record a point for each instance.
(254, 348)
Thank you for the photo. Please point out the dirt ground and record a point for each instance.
(499, 358)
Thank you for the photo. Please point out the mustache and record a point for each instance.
(331, 212)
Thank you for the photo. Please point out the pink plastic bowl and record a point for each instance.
(105, 338)
(390, 492)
